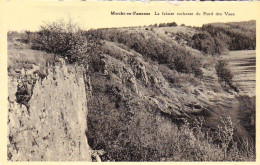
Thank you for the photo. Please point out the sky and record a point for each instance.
(30, 15)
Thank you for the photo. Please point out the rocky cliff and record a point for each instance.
(151, 94)
(49, 121)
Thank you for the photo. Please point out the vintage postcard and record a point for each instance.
(134, 82)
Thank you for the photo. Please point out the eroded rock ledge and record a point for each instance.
(53, 128)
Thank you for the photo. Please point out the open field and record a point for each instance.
(243, 66)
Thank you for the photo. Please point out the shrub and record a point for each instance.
(162, 25)
(224, 73)
(172, 24)
(65, 39)
(187, 64)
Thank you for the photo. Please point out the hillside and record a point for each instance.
(152, 93)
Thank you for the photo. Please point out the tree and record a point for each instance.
(224, 73)
(62, 38)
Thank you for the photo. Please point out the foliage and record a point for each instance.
(217, 38)
(127, 131)
(65, 39)
(204, 42)
(173, 55)
(224, 73)
(132, 135)
(171, 24)
(236, 36)
(187, 64)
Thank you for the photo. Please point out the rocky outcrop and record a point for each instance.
(52, 127)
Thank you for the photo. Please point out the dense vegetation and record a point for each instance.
(150, 47)
(130, 133)
(215, 38)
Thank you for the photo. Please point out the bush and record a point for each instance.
(162, 25)
(65, 39)
(172, 24)
(187, 64)
(224, 73)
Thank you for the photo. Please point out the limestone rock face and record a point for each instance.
(54, 126)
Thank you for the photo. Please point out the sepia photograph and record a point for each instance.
(158, 90)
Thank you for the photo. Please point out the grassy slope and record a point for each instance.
(22, 57)
(187, 88)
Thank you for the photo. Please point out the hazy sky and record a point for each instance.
(29, 16)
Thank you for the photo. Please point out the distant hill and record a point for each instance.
(233, 36)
